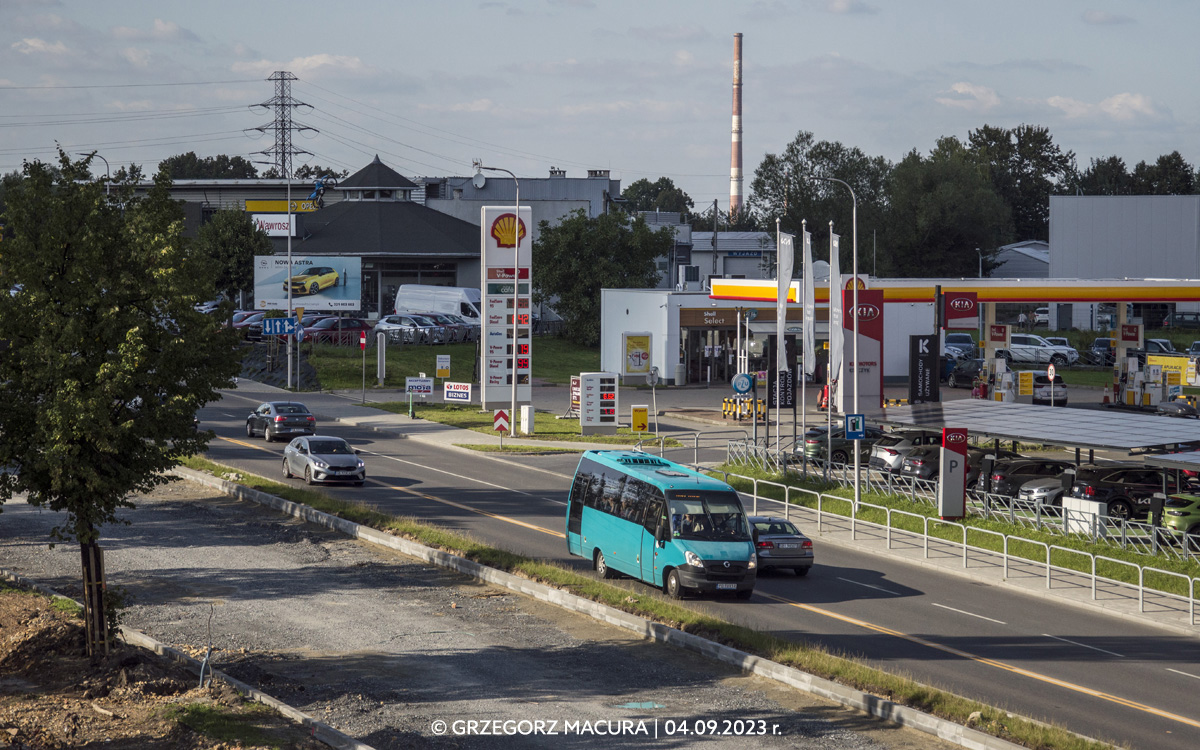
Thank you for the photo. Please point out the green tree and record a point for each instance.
(660, 195)
(581, 255)
(785, 188)
(1025, 166)
(1106, 176)
(107, 362)
(191, 167)
(940, 209)
(1169, 175)
(229, 240)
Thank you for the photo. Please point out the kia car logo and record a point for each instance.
(961, 304)
(867, 312)
(956, 438)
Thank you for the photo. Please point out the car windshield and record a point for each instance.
(330, 447)
(708, 516)
(776, 526)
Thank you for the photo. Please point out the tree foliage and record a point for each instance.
(307, 172)
(582, 255)
(1169, 175)
(229, 240)
(191, 167)
(660, 195)
(107, 362)
(941, 209)
(1025, 167)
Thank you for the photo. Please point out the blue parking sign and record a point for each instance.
(856, 427)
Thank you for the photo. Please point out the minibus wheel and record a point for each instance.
(673, 587)
(602, 566)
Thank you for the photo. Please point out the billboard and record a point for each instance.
(319, 282)
(506, 324)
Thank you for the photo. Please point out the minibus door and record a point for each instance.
(655, 522)
(574, 524)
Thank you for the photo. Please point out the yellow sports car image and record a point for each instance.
(313, 280)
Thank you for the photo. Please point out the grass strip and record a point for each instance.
(1177, 581)
(802, 655)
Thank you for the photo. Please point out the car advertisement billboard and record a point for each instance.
(318, 282)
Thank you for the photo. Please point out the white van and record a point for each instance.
(448, 300)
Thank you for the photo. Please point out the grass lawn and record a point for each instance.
(545, 426)
(555, 360)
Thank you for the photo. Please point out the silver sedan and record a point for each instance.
(320, 458)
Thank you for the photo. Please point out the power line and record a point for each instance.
(126, 85)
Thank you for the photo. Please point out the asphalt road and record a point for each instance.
(1099, 676)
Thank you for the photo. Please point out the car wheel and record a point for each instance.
(314, 287)
(602, 566)
(673, 587)
(951, 381)
(1058, 360)
(1120, 509)
(802, 571)
(308, 475)
(268, 435)
(745, 594)
(839, 457)
(249, 429)
(287, 470)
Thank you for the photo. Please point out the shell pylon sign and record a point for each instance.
(506, 255)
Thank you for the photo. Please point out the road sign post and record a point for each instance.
(500, 424)
(1050, 375)
(362, 344)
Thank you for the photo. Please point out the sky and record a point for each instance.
(643, 89)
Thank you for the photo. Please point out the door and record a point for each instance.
(575, 513)
(656, 513)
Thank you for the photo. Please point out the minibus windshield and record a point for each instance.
(707, 516)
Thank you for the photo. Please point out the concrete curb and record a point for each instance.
(871, 704)
(318, 730)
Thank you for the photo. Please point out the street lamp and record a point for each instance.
(512, 415)
(107, 171)
(854, 350)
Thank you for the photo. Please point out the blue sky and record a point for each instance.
(640, 88)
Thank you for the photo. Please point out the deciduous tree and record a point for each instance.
(660, 195)
(221, 167)
(1025, 166)
(230, 241)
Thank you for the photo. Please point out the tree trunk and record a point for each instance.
(93, 599)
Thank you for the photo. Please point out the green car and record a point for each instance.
(815, 442)
(1181, 514)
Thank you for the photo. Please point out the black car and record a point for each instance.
(926, 463)
(276, 418)
(1102, 351)
(964, 373)
(779, 544)
(1126, 490)
(1007, 475)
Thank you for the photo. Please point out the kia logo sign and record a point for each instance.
(866, 312)
(956, 438)
(962, 304)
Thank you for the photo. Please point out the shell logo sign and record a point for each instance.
(866, 312)
(506, 230)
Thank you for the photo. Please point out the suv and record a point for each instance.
(1180, 321)
(841, 450)
(888, 452)
(1194, 349)
(1103, 351)
(1008, 474)
(1127, 490)
(1159, 346)
(1041, 316)
(964, 373)
(1027, 348)
(1181, 514)
(964, 342)
(1046, 393)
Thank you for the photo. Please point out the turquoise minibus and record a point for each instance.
(659, 522)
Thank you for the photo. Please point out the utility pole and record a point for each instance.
(714, 240)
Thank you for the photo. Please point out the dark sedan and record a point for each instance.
(1125, 490)
(964, 373)
(926, 463)
(779, 544)
(275, 418)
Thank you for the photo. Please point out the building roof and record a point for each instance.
(394, 228)
(376, 176)
(1036, 249)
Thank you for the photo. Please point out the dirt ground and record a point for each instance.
(52, 697)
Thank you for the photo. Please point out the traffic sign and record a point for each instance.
(742, 383)
(443, 366)
(856, 427)
(500, 420)
(1050, 371)
(652, 376)
(362, 340)
(278, 326)
(639, 419)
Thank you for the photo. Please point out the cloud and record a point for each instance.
(302, 66)
(689, 33)
(850, 6)
(1127, 106)
(34, 46)
(972, 97)
(1070, 107)
(162, 31)
(1104, 18)
(137, 57)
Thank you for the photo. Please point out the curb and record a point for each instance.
(871, 704)
(318, 730)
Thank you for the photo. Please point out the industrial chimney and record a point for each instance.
(735, 164)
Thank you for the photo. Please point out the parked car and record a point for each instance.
(1008, 475)
(840, 450)
(321, 458)
(1125, 490)
(1030, 349)
(963, 342)
(1181, 514)
(473, 326)
(455, 330)
(1103, 351)
(1194, 349)
(888, 452)
(1159, 346)
(964, 373)
(1046, 393)
(241, 315)
(341, 331)
(1041, 316)
(1182, 321)
(441, 337)
(926, 462)
(779, 544)
(313, 280)
(1046, 491)
(243, 326)
(1059, 341)
(1177, 408)
(275, 418)
(408, 330)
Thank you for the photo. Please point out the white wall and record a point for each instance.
(901, 320)
(639, 311)
(1137, 237)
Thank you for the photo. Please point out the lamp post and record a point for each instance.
(854, 348)
(107, 170)
(291, 337)
(512, 415)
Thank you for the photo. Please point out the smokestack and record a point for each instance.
(735, 164)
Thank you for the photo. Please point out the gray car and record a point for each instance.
(408, 329)
(779, 544)
(1043, 491)
(888, 452)
(275, 418)
(321, 458)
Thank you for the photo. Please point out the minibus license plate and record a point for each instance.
(726, 586)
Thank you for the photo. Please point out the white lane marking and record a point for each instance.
(1084, 645)
(858, 583)
(1185, 674)
(465, 478)
(971, 614)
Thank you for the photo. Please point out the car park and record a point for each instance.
(1044, 492)
(1049, 393)
(275, 418)
(455, 330)
(1008, 475)
(1182, 321)
(321, 459)
(250, 326)
(341, 331)
(1126, 491)
(964, 373)
(440, 334)
(926, 462)
(779, 544)
(1029, 349)
(839, 449)
(407, 329)
(888, 452)
(1181, 515)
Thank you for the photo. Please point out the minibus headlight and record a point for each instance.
(691, 558)
(753, 562)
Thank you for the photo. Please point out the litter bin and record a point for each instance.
(680, 374)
